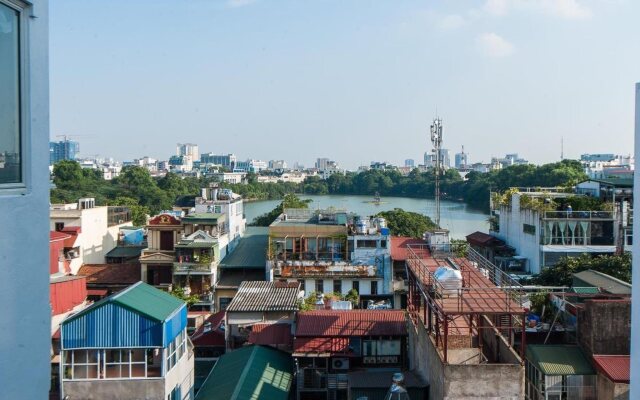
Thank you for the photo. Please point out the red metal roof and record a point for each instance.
(616, 368)
(270, 334)
(97, 292)
(55, 236)
(321, 345)
(351, 323)
(483, 239)
(215, 337)
(72, 232)
(399, 247)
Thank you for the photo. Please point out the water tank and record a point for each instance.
(382, 223)
(449, 279)
(362, 225)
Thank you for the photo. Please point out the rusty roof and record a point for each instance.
(320, 345)
(270, 334)
(56, 235)
(214, 337)
(110, 274)
(348, 323)
(265, 296)
(399, 247)
(484, 239)
(616, 368)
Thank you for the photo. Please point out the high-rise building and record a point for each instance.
(462, 160)
(445, 158)
(409, 162)
(63, 150)
(228, 161)
(322, 163)
(188, 149)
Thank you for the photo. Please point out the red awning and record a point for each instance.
(321, 345)
(97, 292)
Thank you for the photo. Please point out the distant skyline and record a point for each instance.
(350, 80)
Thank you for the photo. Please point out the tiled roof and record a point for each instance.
(399, 247)
(251, 251)
(559, 360)
(616, 368)
(215, 337)
(110, 274)
(140, 298)
(270, 334)
(253, 372)
(265, 296)
(351, 323)
(483, 239)
(320, 345)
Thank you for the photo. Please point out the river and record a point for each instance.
(460, 219)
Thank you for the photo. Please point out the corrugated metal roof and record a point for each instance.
(253, 372)
(585, 290)
(125, 251)
(605, 282)
(201, 218)
(214, 337)
(351, 323)
(232, 278)
(559, 360)
(110, 274)
(140, 315)
(251, 251)
(616, 368)
(320, 345)
(271, 334)
(265, 296)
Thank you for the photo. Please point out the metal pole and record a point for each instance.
(436, 140)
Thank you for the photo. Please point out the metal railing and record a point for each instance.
(192, 267)
(589, 215)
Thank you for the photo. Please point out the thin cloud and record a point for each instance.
(239, 3)
(494, 45)
(450, 22)
(566, 9)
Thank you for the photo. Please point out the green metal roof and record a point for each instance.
(585, 290)
(203, 218)
(617, 182)
(255, 372)
(143, 299)
(559, 360)
(251, 251)
(126, 251)
(596, 279)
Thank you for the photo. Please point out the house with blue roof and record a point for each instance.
(130, 345)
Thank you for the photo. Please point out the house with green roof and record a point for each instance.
(253, 372)
(559, 372)
(130, 345)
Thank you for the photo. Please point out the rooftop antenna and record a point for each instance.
(436, 140)
(561, 148)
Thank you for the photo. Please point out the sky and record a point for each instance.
(354, 81)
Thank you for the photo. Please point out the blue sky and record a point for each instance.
(352, 80)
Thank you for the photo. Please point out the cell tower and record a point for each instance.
(436, 140)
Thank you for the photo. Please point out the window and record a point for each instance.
(356, 286)
(59, 226)
(528, 228)
(10, 112)
(176, 349)
(374, 287)
(369, 244)
(224, 302)
(337, 286)
(320, 286)
(175, 394)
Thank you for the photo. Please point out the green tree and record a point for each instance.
(180, 292)
(406, 223)
(138, 213)
(561, 274)
(67, 175)
(290, 201)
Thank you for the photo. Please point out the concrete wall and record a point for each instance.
(182, 374)
(604, 327)
(138, 389)
(462, 382)
(24, 242)
(608, 390)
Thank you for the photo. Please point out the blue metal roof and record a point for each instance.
(116, 322)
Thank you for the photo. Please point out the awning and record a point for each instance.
(97, 292)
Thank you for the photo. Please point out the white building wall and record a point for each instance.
(634, 392)
(182, 374)
(25, 338)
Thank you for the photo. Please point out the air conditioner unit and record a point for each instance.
(340, 363)
(369, 360)
(73, 254)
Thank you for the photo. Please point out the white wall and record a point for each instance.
(24, 244)
(635, 308)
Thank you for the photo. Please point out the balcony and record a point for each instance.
(580, 215)
(193, 267)
(319, 269)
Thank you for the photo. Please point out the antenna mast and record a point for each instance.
(436, 140)
(561, 148)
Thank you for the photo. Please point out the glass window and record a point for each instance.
(10, 141)
(320, 286)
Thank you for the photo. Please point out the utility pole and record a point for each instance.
(436, 140)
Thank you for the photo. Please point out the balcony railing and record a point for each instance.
(186, 267)
(319, 270)
(589, 215)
